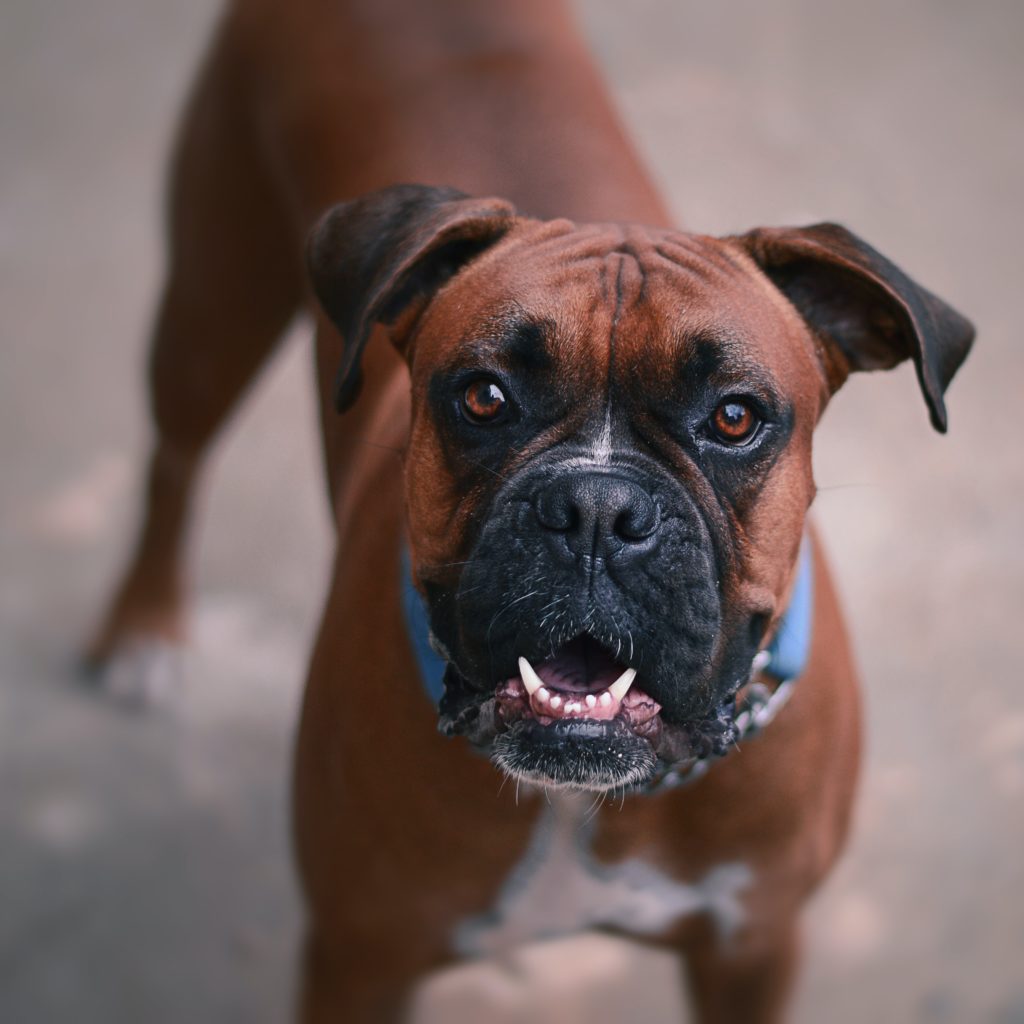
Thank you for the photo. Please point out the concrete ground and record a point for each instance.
(144, 863)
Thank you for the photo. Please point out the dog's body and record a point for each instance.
(411, 853)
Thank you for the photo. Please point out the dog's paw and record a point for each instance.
(141, 672)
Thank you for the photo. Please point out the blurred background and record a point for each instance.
(145, 868)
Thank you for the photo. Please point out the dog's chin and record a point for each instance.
(580, 754)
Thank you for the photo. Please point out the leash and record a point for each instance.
(783, 661)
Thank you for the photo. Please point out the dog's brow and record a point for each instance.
(723, 357)
(527, 344)
(519, 341)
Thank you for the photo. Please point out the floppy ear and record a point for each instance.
(372, 259)
(864, 308)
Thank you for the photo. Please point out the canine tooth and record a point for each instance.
(621, 686)
(531, 680)
(591, 701)
(605, 699)
(555, 702)
(542, 695)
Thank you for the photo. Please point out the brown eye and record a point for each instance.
(483, 401)
(734, 422)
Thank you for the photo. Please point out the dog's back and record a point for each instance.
(493, 99)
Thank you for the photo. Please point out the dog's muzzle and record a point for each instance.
(583, 630)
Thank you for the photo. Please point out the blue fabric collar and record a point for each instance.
(790, 648)
(784, 659)
(417, 625)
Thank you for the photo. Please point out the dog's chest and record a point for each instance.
(559, 888)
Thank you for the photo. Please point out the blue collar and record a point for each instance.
(790, 649)
(417, 625)
(784, 659)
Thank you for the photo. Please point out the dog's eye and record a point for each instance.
(734, 422)
(483, 401)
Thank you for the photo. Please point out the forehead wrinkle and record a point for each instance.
(578, 243)
(695, 257)
(630, 278)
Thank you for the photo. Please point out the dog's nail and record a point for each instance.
(531, 680)
(621, 686)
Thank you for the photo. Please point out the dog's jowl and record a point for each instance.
(581, 665)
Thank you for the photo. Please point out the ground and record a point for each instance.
(145, 869)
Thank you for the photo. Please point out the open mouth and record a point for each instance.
(581, 681)
(578, 719)
(581, 719)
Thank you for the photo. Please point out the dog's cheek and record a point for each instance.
(439, 510)
(774, 525)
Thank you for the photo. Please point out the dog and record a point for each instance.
(570, 483)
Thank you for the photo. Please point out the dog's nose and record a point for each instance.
(597, 514)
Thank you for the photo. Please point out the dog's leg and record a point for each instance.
(746, 984)
(234, 283)
(362, 983)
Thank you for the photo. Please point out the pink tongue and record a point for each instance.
(581, 666)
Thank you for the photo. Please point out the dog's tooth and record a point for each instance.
(591, 701)
(531, 680)
(555, 702)
(573, 706)
(605, 699)
(621, 686)
(542, 695)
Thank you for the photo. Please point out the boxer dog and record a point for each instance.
(584, 437)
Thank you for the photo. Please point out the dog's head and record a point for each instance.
(609, 463)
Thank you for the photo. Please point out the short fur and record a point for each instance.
(615, 339)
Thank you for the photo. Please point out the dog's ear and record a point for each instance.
(867, 312)
(374, 258)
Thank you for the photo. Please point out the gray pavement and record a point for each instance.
(144, 860)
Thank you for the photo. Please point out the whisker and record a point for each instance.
(445, 565)
(846, 487)
(400, 452)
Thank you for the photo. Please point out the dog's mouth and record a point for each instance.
(582, 681)
(581, 719)
(577, 719)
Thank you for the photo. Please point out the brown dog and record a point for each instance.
(605, 472)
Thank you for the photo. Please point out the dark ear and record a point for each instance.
(869, 313)
(375, 257)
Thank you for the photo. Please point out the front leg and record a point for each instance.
(362, 980)
(744, 982)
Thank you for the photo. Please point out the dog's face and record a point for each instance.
(608, 469)
(609, 465)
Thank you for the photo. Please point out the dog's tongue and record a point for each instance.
(581, 666)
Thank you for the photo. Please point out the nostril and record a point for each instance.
(556, 510)
(638, 521)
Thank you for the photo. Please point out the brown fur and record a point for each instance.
(401, 833)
